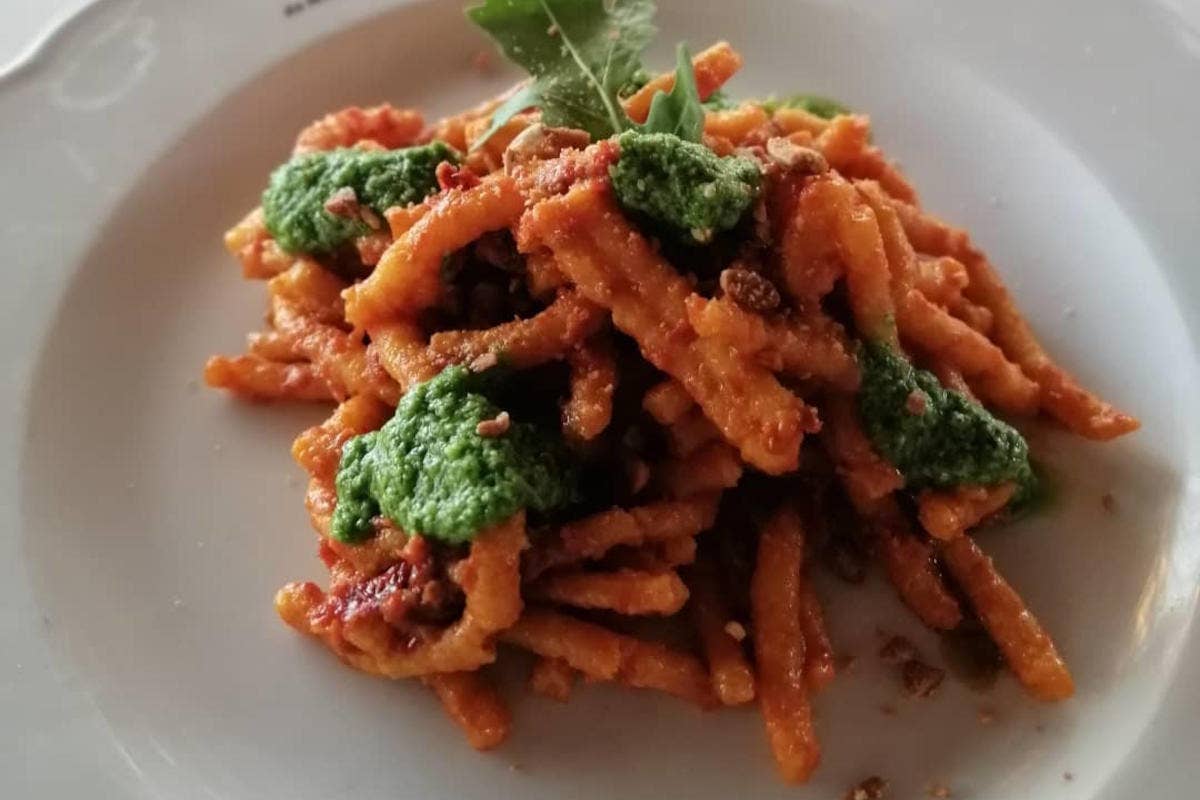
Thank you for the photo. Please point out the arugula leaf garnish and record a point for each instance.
(679, 112)
(579, 52)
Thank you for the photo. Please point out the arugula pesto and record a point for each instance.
(431, 471)
(682, 185)
(294, 202)
(950, 442)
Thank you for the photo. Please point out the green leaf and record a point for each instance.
(579, 52)
(679, 112)
(526, 97)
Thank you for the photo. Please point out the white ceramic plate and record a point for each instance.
(147, 521)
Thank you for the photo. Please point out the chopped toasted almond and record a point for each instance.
(491, 428)
(897, 650)
(343, 203)
(915, 402)
(483, 362)
(793, 157)
(735, 629)
(749, 290)
(920, 679)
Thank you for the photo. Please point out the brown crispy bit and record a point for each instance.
(872, 788)
(793, 157)
(898, 650)
(343, 203)
(483, 362)
(915, 402)
(491, 428)
(736, 630)
(749, 290)
(1108, 502)
(920, 679)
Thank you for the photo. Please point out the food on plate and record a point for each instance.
(614, 346)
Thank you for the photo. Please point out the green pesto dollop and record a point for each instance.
(294, 202)
(953, 442)
(430, 472)
(824, 107)
(683, 185)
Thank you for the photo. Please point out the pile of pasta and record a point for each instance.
(713, 529)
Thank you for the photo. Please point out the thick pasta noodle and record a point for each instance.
(675, 371)
(777, 609)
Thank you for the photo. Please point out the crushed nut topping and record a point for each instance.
(343, 203)
(898, 650)
(736, 630)
(483, 362)
(539, 142)
(921, 679)
(794, 158)
(491, 428)
(369, 217)
(750, 290)
(915, 402)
